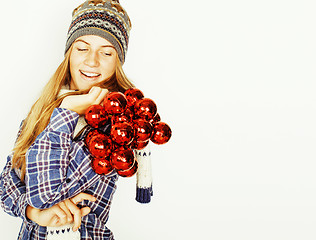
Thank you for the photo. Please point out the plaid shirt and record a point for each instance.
(58, 168)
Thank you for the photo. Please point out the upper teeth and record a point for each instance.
(90, 74)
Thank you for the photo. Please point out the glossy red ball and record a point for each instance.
(115, 103)
(139, 145)
(145, 108)
(129, 112)
(143, 130)
(155, 119)
(124, 117)
(129, 172)
(122, 158)
(161, 133)
(96, 116)
(100, 146)
(92, 133)
(122, 133)
(102, 165)
(133, 95)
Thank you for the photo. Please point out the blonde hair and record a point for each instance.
(40, 113)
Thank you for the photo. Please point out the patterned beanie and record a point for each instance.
(104, 18)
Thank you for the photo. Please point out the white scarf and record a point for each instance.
(62, 233)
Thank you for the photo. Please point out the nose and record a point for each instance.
(91, 59)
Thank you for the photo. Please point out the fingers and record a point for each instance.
(62, 216)
(76, 214)
(97, 94)
(82, 196)
(55, 222)
(94, 93)
(85, 211)
(101, 96)
(80, 103)
(94, 90)
(63, 206)
(62, 213)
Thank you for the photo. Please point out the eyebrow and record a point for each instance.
(80, 40)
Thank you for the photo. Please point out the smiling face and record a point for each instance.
(92, 60)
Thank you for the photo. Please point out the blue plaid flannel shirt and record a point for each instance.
(58, 168)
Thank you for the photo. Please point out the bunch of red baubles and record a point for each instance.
(134, 122)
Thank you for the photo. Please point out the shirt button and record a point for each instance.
(68, 180)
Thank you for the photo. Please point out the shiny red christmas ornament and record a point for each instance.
(115, 103)
(100, 146)
(161, 133)
(129, 172)
(129, 113)
(124, 117)
(133, 95)
(155, 119)
(102, 165)
(139, 145)
(145, 108)
(143, 130)
(90, 135)
(122, 158)
(122, 133)
(96, 116)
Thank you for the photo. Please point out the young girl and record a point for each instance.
(49, 173)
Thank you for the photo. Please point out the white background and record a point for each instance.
(235, 80)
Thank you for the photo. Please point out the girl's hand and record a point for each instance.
(62, 213)
(79, 103)
(74, 214)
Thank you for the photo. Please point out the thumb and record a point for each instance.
(95, 90)
(85, 211)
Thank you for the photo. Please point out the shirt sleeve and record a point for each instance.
(57, 168)
(12, 192)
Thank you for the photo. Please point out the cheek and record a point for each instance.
(74, 62)
(72, 65)
(109, 67)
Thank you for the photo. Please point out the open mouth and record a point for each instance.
(90, 74)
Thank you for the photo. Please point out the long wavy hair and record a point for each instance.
(41, 111)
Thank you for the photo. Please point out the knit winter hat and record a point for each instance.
(104, 18)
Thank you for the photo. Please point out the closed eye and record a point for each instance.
(82, 49)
